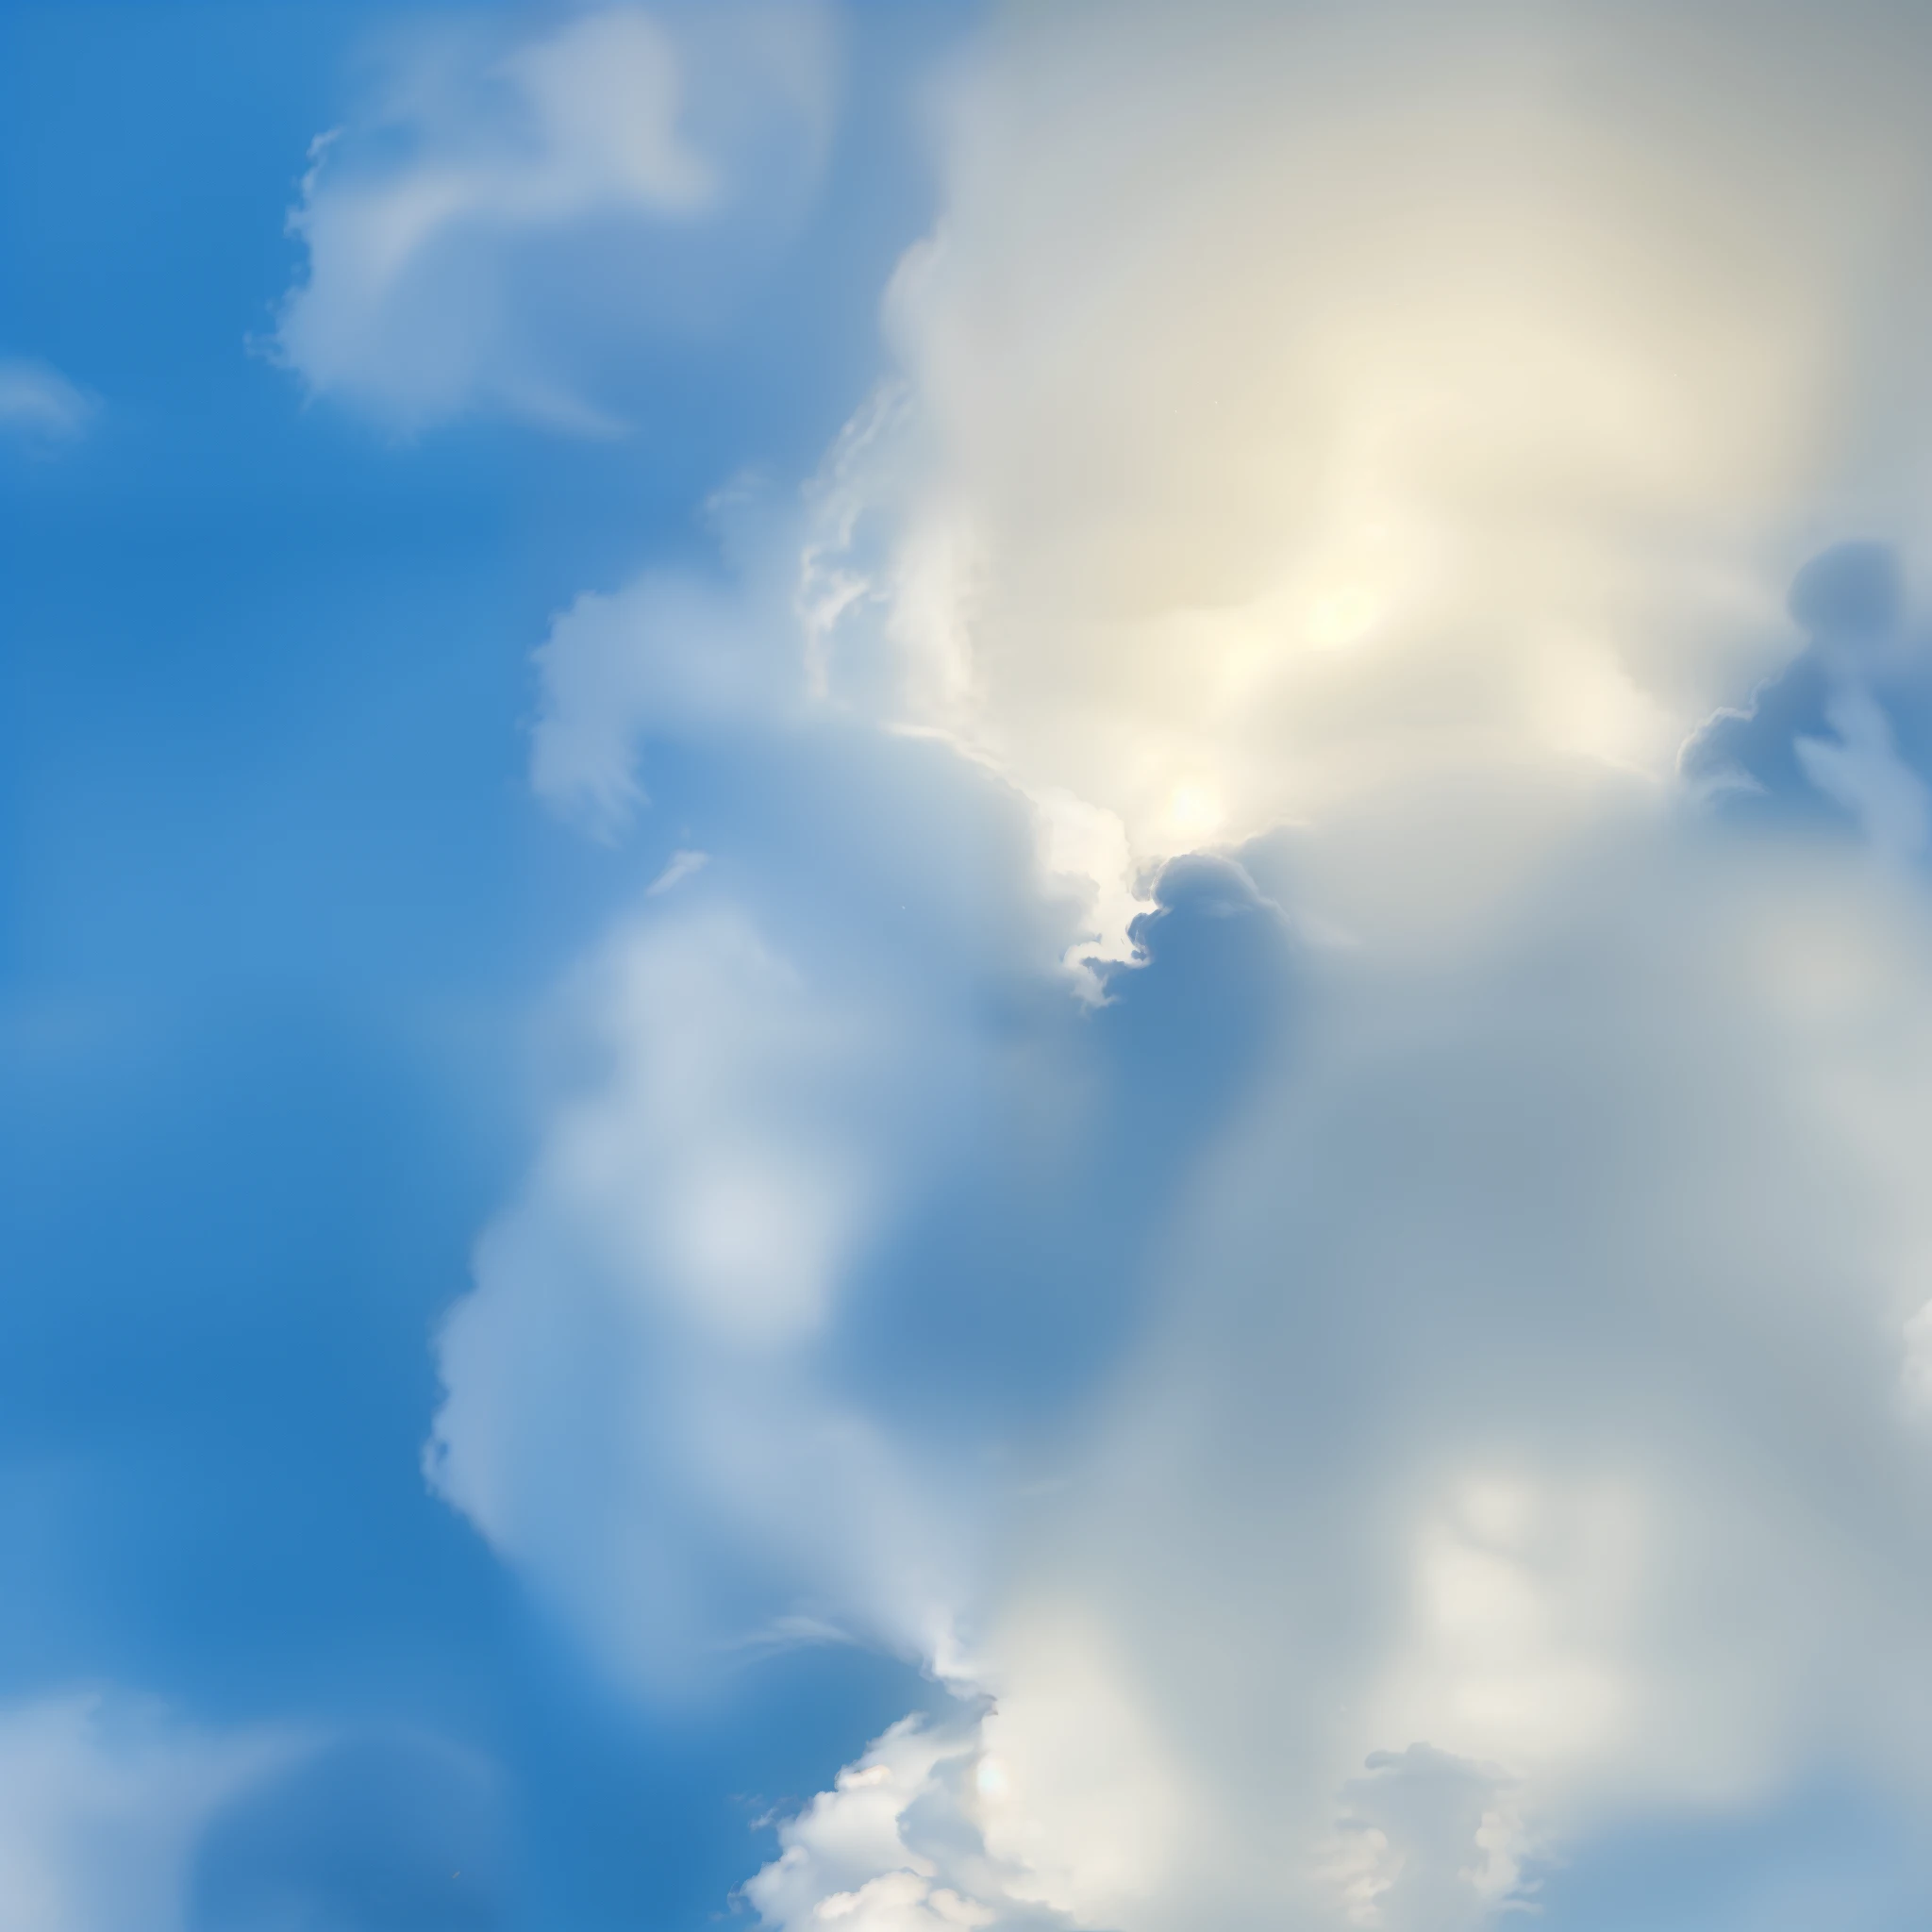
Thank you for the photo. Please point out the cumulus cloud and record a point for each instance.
(1430, 1362)
(895, 1847)
(39, 404)
(762, 1091)
(497, 226)
(1293, 406)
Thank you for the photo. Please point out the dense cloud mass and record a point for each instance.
(1299, 403)
(1282, 1131)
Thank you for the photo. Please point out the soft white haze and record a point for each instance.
(39, 403)
(504, 216)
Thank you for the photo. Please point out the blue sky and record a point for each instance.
(1031, 900)
(278, 908)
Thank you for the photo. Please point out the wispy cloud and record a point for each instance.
(40, 405)
(103, 1798)
(503, 217)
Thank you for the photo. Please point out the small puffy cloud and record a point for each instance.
(39, 404)
(897, 1845)
(497, 226)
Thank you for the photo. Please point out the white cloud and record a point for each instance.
(691, 1227)
(1427, 1841)
(679, 867)
(1298, 405)
(668, 656)
(1403, 426)
(102, 1799)
(40, 404)
(502, 219)
(897, 1845)
(1520, 1434)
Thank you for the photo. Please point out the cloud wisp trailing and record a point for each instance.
(506, 217)
(1424, 1365)
(38, 406)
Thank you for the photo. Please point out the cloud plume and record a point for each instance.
(1427, 1364)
